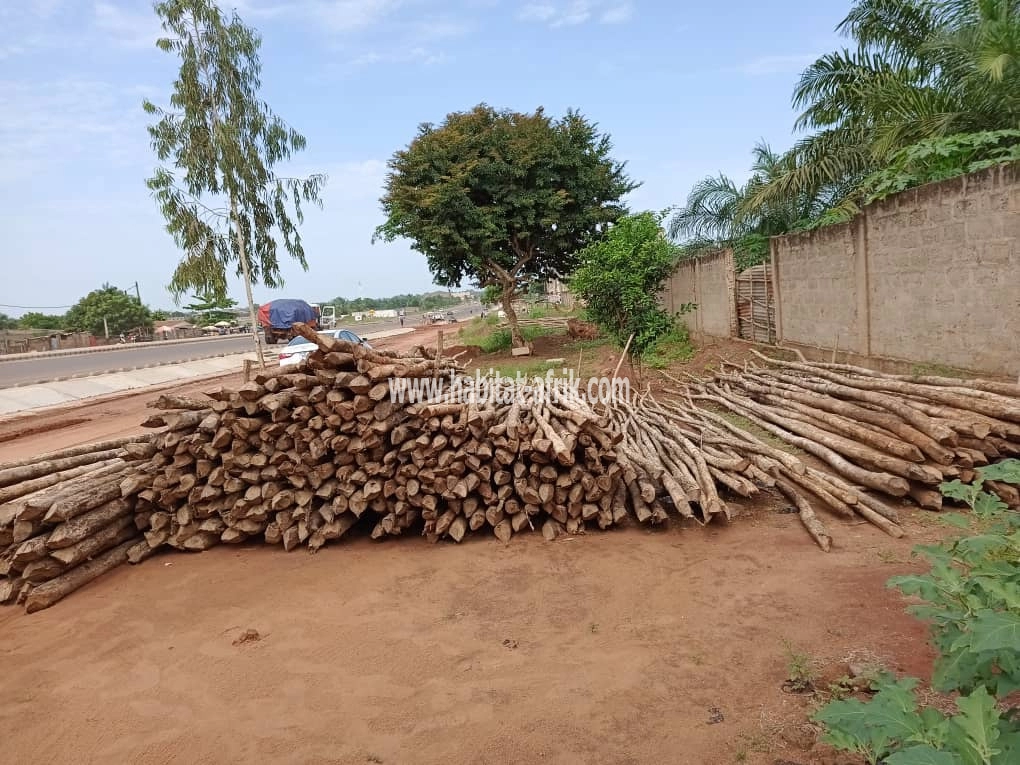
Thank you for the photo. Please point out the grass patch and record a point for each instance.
(492, 339)
(669, 349)
(476, 330)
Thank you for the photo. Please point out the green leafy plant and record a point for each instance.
(971, 599)
(800, 675)
(936, 159)
(502, 198)
(620, 279)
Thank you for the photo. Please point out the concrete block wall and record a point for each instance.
(929, 276)
(814, 276)
(681, 289)
(716, 298)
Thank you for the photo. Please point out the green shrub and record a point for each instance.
(971, 599)
(621, 276)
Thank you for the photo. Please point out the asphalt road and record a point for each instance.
(46, 369)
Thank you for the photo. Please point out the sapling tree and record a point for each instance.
(223, 202)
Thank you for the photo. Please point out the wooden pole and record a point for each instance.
(623, 356)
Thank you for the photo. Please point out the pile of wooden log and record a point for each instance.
(302, 455)
(64, 521)
(300, 458)
(896, 435)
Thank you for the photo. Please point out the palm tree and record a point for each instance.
(718, 212)
(920, 69)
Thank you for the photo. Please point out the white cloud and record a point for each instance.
(335, 15)
(617, 14)
(779, 64)
(537, 12)
(439, 29)
(416, 55)
(575, 12)
(48, 124)
(126, 28)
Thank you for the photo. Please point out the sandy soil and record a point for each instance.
(616, 647)
(629, 646)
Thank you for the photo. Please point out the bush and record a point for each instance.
(621, 276)
(972, 602)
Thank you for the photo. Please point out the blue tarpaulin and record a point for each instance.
(283, 313)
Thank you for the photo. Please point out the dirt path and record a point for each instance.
(617, 647)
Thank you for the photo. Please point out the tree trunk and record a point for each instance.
(509, 292)
(246, 271)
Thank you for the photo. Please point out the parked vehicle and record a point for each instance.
(278, 317)
(299, 349)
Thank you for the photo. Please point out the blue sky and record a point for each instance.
(683, 89)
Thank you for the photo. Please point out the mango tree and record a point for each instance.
(503, 198)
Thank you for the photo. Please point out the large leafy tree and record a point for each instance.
(223, 202)
(122, 312)
(6, 322)
(502, 198)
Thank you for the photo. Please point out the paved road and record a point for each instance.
(46, 369)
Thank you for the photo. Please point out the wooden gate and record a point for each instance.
(756, 313)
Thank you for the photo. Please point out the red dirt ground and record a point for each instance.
(625, 646)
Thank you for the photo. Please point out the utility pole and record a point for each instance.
(106, 328)
(138, 294)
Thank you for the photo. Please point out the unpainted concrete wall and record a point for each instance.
(931, 275)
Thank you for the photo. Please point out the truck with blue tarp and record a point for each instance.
(279, 316)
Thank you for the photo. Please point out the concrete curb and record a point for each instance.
(106, 348)
(119, 370)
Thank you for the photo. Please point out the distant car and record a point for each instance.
(450, 316)
(299, 349)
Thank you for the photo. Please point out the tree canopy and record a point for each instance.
(123, 312)
(36, 320)
(212, 307)
(501, 198)
(425, 302)
(222, 201)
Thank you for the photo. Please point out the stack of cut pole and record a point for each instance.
(895, 435)
(299, 458)
(64, 521)
(301, 455)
